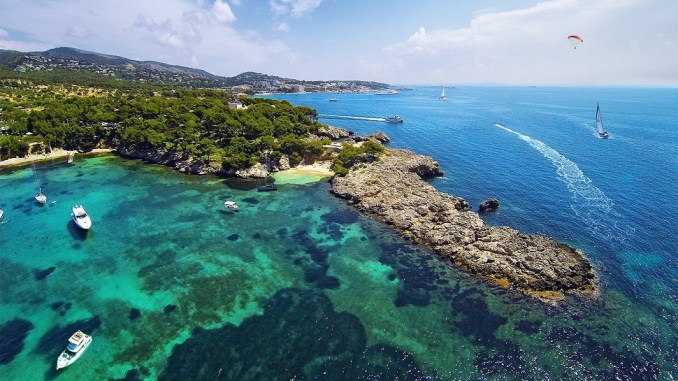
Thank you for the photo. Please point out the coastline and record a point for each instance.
(57, 153)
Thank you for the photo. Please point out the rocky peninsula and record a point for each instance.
(393, 189)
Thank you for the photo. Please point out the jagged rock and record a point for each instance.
(392, 189)
(284, 163)
(257, 171)
(379, 137)
(334, 133)
(489, 205)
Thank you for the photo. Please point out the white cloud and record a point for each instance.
(282, 27)
(78, 31)
(222, 12)
(296, 8)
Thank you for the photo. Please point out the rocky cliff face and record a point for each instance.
(393, 190)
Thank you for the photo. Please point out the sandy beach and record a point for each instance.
(55, 154)
(317, 168)
(304, 174)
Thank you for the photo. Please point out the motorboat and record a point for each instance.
(333, 99)
(231, 205)
(2, 213)
(394, 119)
(70, 157)
(40, 197)
(77, 344)
(267, 188)
(80, 217)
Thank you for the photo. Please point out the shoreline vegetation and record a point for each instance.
(203, 131)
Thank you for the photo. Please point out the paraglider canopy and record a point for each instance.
(575, 40)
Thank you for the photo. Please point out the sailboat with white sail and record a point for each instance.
(599, 124)
(442, 95)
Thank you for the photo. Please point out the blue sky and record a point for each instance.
(442, 42)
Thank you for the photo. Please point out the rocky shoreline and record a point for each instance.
(393, 189)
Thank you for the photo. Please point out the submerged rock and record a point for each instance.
(393, 190)
(13, 334)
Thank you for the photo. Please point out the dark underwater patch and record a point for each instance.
(504, 360)
(378, 362)
(316, 263)
(528, 327)
(169, 309)
(13, 334)
(42, 274)
(610, 363)
(55, 340)
(343, 217)
(332, 230)
(299, 336)
(61, 307)
(134, 314)
(233, 237)
(474, 318)
(131, 375)
(256, 235)
(250, 200)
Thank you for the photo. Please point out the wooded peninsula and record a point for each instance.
(80, 111)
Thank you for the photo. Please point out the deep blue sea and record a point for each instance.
(298, 286)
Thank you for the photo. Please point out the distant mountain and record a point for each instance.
(157, 72)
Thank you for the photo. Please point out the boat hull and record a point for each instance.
(67, 357)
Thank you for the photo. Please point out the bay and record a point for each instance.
(297, 285)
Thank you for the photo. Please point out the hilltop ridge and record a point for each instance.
(158, 72)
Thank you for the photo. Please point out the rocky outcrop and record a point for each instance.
(489, 205)
(333, 133)
(392, 189)
(379, 137)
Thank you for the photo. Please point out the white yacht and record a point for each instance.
(77, 344)
(80, 217)
(40, 197)
(394, 119)
(231, 205)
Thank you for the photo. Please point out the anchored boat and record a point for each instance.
(77, 344)
(80, 217)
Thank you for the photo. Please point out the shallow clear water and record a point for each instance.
(297, 285)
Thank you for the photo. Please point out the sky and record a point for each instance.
(438, 42)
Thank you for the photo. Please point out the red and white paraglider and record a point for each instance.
(575, 40)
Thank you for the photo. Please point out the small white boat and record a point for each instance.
(1, 213)
(80, 217)
(70, 157)
(394, 119)
(333, 99)
(231, 205)
(442, 95)
(40, 197)
(77, 344)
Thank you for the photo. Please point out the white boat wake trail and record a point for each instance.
(328, 116)
(589, 202)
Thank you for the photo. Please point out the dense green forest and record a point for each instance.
(80, 112)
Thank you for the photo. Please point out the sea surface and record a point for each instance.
(298, 286)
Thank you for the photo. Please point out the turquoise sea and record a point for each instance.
(298, 286)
